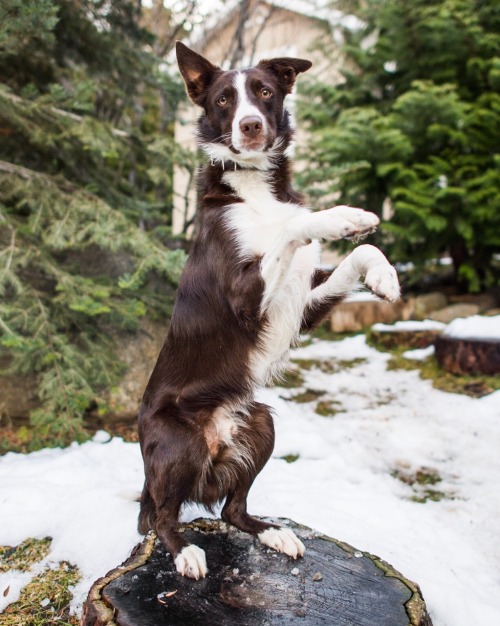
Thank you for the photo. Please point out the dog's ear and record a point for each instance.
(196, 71)
(286, 70)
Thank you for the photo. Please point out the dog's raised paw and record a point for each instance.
(283, 540)
(191, 562)
(382, 280)
(344, 222)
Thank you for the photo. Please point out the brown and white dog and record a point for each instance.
(249, 288)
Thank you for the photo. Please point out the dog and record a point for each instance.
(250, 286)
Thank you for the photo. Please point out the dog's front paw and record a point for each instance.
(382, 280)
(191, 562)
(343, 222)
(282, 540)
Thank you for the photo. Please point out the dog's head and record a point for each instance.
(245, 120)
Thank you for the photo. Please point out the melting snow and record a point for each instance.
(343, 484)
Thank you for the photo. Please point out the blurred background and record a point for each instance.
(399, 115)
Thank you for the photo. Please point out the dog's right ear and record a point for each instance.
(196, 71)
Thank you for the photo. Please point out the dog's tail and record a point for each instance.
(147, 514)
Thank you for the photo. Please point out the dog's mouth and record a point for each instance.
(262, 144)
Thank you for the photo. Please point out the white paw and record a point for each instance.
(191, 562)
(382, 280)
(282, 540)
(344, 222)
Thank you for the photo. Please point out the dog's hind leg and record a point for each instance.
(172, 471)
(258, 439)
(147, 514)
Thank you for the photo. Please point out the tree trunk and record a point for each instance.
(468, 356)
(249, 584)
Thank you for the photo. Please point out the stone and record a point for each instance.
(422, 306)
(453, 311)
(355, 316)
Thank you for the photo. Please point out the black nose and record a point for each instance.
(251, 126)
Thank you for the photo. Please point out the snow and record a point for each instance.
(419, 354)
(411, 326)
(342, 484)
(475, 327)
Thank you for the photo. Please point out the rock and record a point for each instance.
(484, 301)
(354, 316)
(422, 305)
(139, 351)
(449, 313)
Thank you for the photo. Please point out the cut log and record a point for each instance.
(410, 339)
(249, 584)
(468, 356)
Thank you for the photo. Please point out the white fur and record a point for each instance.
(257, 223)
(191, 562)
(285, 236)
(264, 161)
(367, 261)
(244, 108)
(283, 540)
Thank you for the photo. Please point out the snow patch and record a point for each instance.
(475, 327)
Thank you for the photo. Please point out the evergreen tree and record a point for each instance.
(415, 124)
(86, 161)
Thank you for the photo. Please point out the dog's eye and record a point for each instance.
(222, 101)
(266, 93)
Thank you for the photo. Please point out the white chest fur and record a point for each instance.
(257, 224)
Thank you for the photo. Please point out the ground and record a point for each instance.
(366, 452)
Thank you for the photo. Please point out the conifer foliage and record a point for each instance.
(415, 126)
(86, 160)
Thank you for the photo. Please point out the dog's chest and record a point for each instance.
(257, 224)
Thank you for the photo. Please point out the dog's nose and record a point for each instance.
(251, 126)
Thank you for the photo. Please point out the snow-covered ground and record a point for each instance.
(343, 483)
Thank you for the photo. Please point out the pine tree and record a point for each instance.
(416, 124)
(86, 161)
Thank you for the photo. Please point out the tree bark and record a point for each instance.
(468, 356)
(249, 584)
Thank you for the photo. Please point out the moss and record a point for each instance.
(328, 408)
(475, 386)
(292, 378)
(324, 365)
(309, 395)
(422, 483)
(290, 458)
(349, 363)
(324, 332)
(23, 556)
(45, 600)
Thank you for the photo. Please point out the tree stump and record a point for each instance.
(249, 584)
(468, 356)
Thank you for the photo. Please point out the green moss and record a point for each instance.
(23, 556)
(422, 484)
(292, 378)
(45, 600)
(309, 395)
(290, 458)
(475, 386)
(324, 332)
(328, 408)
(349, 363)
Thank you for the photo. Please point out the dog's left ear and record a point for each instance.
(286, 70)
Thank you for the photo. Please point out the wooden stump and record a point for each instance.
(410, 339)
(468, 356)
(248, 585)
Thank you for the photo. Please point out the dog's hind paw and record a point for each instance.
(282, 540)
(191, 562)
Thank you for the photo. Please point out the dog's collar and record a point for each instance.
(228, 165)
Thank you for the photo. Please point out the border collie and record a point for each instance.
(249, 288)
